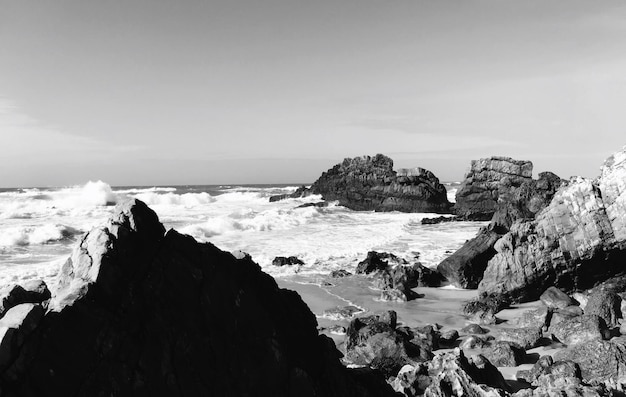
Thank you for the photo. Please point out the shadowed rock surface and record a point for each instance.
(578, 240)
(141, 312)
(370, 183)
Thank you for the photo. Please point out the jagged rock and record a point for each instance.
(554, 298)
(441, 219)
(578, 240)
(340, 273)
(557, 379)
(465, 267)
(453, 374)
(580, 329)
(33, 291)
(17, 324)
(428, 334)
(505, 354)
(539, 368)
(476, 342)
(338, 330)
(141, 312)
(378, 261)
(370, 183)
(483, 309)
(474, 329)
(570, 387)
(568, 313)
(300, 192)
(535, 318)
(477, 197)
(411, 380)
(342, 312)
(605, 304)
(599, 360)
(287, 261)
(526, 337)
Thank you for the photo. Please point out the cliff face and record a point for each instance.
(370, 183)
(577, 240)
(141, 312)
(486, 181)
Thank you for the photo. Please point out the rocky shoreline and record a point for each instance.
(139, 310)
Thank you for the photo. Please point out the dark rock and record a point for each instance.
(577, 330)
(483, 309)
(539, 368)
(338, 330)
(141, 312)
(412, 380)
(378, 261)
(286, 261)
(16, 325)
(449, 337)
(370, 183)
(300, 192)
(441, 219)
(605, 304)
(453, 374)
(525, 337)
(319, 204)
(599, 360)
(556, 299)
(34, 291)
(505, 354)
(577, 241)
(555, 378)
(476, 342)
(340, 273)
(428, 334)
(474, 329)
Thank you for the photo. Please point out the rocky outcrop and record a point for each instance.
(139, 311)
(579, 239)
(370, 184)
(599, 360)
(487, 179)
(287, 261)
(521, 198)
(300, 192)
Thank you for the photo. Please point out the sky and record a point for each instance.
(277, 91)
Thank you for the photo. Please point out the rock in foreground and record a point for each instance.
(141, 312)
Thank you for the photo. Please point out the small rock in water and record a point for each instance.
(474, 329)
(338, 330)
(342, 312)
(286, 261)
(340, 273)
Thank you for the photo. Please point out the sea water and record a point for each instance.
(40, 226)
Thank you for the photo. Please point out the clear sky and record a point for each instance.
(248, 91)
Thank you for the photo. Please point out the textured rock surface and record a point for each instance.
(302, 191)
(477, 197)
(34, 291)
(141, 312)
(453, 374)
(554, 298)
(505, 354)
(605, 304)
(598, 360)
(465, 267)
(370, 183)
(575, 242)
(525, 337)
(580, 329)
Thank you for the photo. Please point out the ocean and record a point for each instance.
(40, 226)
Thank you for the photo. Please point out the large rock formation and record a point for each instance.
(370, 183)
(487, 179)
(141, 312)
(517, 198)
(578, 240)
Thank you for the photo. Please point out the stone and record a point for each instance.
(342, 312)
(607, 305)
(138, 311)
(579, 330)
(554, 298)
(535, 318)
(505, 354)
(33, 291)
(599, 360)
(453, 374)
(287, 261)
(477, 197)
(448, 337)
(412, 380)
(338, 330)
(474, 329)
(483, 309)
(539, 368)
(370, 184)
(526, 337)
(577, 241)
(16, 325)
(340, 273)
(476, 342)
(300, 192)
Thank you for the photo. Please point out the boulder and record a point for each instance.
(474, 329)
(300, 192)
(577, 241)
(483, 309)
(287, 261)
(505, 354)
(33, 291)
(526, 337)
(449, 337)
(477, 197)
(138, 311)
(476, 342)
(340, 273)
(465, 267)
(599, 360)
(539, 368)
(606, 304)
(535, 318)
(16, 325)
(411, 380)
(370, 183)
(579, 330)
(342, 312)
(554, 298)
(453, 374)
